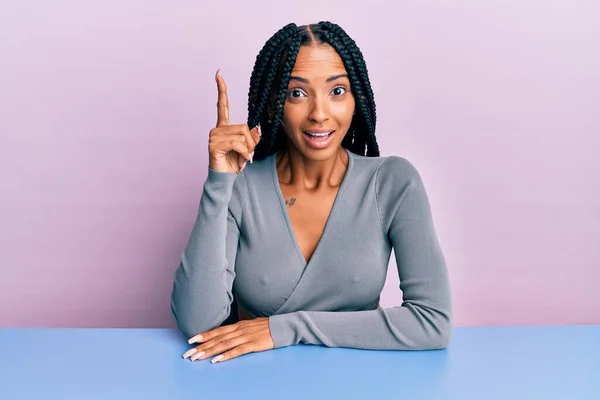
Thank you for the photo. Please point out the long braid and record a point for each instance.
(358, 58)
(267, 60)
(282, 93)
(361, 86)
(270, 78)
(362, 107)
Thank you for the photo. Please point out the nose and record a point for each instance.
(318, 111)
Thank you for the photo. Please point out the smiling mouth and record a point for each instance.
(319, 139)
(317, 135)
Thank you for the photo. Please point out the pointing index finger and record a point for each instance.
(222, 102)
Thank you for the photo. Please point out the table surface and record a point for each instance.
(561, 362)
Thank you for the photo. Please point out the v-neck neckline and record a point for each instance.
(330, 218)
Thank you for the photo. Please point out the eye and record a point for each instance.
(338, 90)
(295, 93)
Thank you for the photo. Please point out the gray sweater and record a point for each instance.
(242, 241)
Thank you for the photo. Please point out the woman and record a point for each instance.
(299, 215)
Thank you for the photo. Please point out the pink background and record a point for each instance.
(105, 110)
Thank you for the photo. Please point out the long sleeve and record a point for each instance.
(423, 320)
(202, 291)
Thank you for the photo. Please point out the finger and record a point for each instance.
(250, 141)
(240, 137)
(231, 334)
(207, 349)
(241, 148)
(223, 140)
(191, 352)
(255, 134)
(211, 347)
(196, 339)
(223, 147)
(229, 130)
(233, 353)
(209, 335)
(220, 347)
(222, 102)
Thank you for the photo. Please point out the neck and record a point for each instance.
(294, 169)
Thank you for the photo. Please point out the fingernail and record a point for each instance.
(251, 157)
(197, 355)
(259, 131)
(194, 339)
(189, 353)
(217, 359)
(243, 166)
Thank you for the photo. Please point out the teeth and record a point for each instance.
(319, 134)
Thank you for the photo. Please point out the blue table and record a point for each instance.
(481, 363)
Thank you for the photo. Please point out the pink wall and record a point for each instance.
(105, 109)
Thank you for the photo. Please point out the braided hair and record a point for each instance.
(271, 75)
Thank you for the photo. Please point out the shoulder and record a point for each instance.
(388, 170)
(396, 176)
(398, 169)
(255, 179)
(399, 186)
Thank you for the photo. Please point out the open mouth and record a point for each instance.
(318, 139)
(319, 135)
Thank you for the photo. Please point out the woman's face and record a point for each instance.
(319, 105)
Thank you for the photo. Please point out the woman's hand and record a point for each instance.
(230, 146)
(232, 341)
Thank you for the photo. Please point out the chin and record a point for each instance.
(320, 155)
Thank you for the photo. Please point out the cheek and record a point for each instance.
(344, 112)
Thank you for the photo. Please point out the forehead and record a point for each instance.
(318, 61)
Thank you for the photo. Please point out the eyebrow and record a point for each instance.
(330, 79)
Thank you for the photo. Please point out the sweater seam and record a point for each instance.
(377, 198)
(242, 202)
(402, 196)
